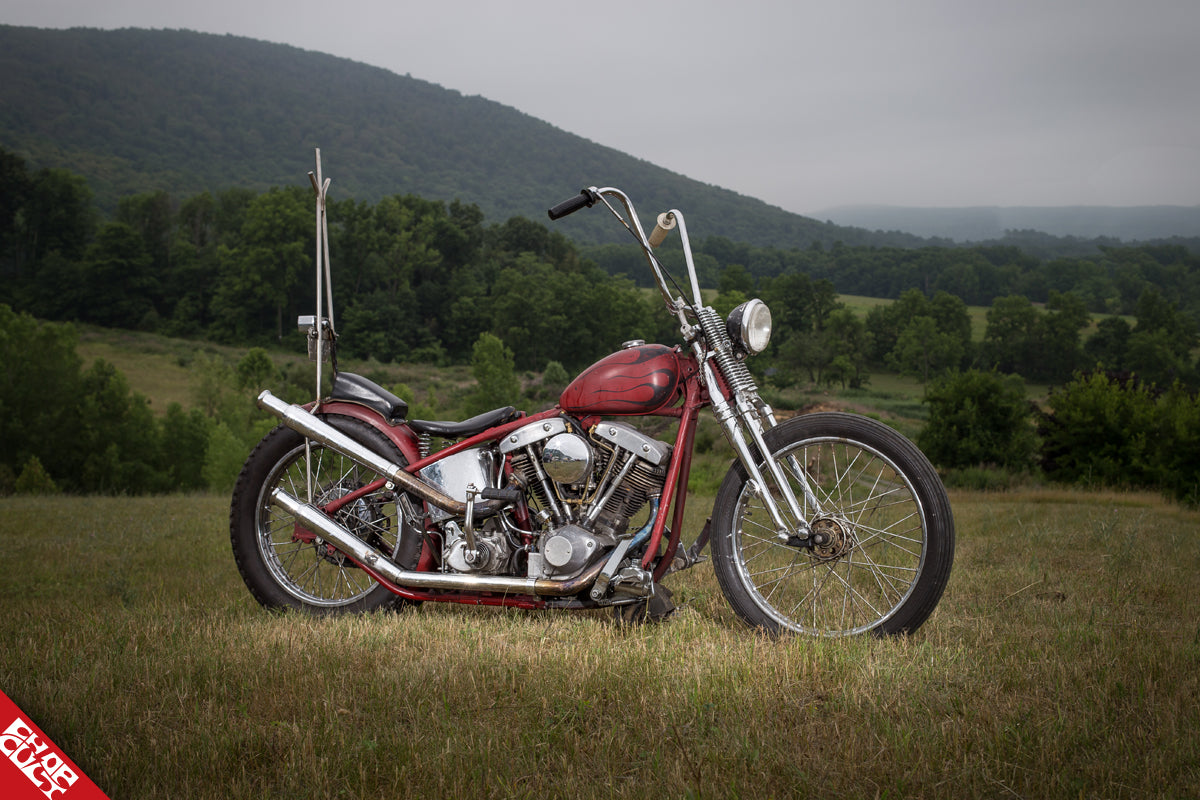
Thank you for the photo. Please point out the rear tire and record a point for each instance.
(283, 571)
(883, 510)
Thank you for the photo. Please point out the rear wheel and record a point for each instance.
(884, 523)
(285, 566)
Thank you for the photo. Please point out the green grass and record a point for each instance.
(1062, 662)
(161, 368)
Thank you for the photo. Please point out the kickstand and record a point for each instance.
(655, 608)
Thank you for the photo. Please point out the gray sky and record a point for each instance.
(806, 105)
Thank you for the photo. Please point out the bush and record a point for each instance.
(185, 442)
(496, 379)
(1176, 445)
(256, 371)
(223, 458)
(979, 418)
(34, 479)
(554, 380)
(1115, 430)
(39, 394)
(1101, 430)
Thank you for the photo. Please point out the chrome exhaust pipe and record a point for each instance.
(321, 524)
(312, 427)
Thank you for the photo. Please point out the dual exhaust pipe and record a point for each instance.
(324, 526)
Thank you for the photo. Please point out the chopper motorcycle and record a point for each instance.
(828, 524)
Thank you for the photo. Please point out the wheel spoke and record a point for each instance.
(884, 582)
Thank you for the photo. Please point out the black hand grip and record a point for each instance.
(584, 198)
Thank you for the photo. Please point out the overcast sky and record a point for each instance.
(806, 105)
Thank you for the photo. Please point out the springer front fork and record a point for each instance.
(744, 417)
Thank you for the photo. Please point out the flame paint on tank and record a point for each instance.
(638, 380)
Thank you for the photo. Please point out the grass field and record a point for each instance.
(1063, 661)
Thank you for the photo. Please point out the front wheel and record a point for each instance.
(880, 512)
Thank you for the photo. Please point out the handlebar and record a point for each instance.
(667, 222)
(585, 198)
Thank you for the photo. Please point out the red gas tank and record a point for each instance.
(637, 380)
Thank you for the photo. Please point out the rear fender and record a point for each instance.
(400, 435)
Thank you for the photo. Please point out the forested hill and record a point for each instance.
(146, 110)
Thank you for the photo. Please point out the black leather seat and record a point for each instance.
(351, 388)
(468, 427)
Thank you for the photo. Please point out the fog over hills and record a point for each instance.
(983, 223)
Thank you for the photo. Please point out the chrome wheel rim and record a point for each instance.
(314, 572)
(875, 531)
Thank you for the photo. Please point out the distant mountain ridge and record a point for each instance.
(143, 110)
(985, 223)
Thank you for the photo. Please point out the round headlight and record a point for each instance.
(749, 325)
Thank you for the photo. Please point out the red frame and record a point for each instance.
(688, 389)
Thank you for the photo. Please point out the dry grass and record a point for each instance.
(155, 366)
(1062, 663)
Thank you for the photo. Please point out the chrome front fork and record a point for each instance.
(751, 420)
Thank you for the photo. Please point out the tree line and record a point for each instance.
(820, 341)
(414, 280)
(424, 281)
(1144, 302)
(1100, 429)
(420, 280)
(1109, 278)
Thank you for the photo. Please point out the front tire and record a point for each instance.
(285, 569)
(885, 519)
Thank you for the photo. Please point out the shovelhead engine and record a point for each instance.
(586, 487)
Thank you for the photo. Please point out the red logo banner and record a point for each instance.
(32, 767)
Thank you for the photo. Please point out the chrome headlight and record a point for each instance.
(749, 326)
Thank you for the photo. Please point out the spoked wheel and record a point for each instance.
(286, 566)
(883, 534)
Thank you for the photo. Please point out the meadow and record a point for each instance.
(1063, 661)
